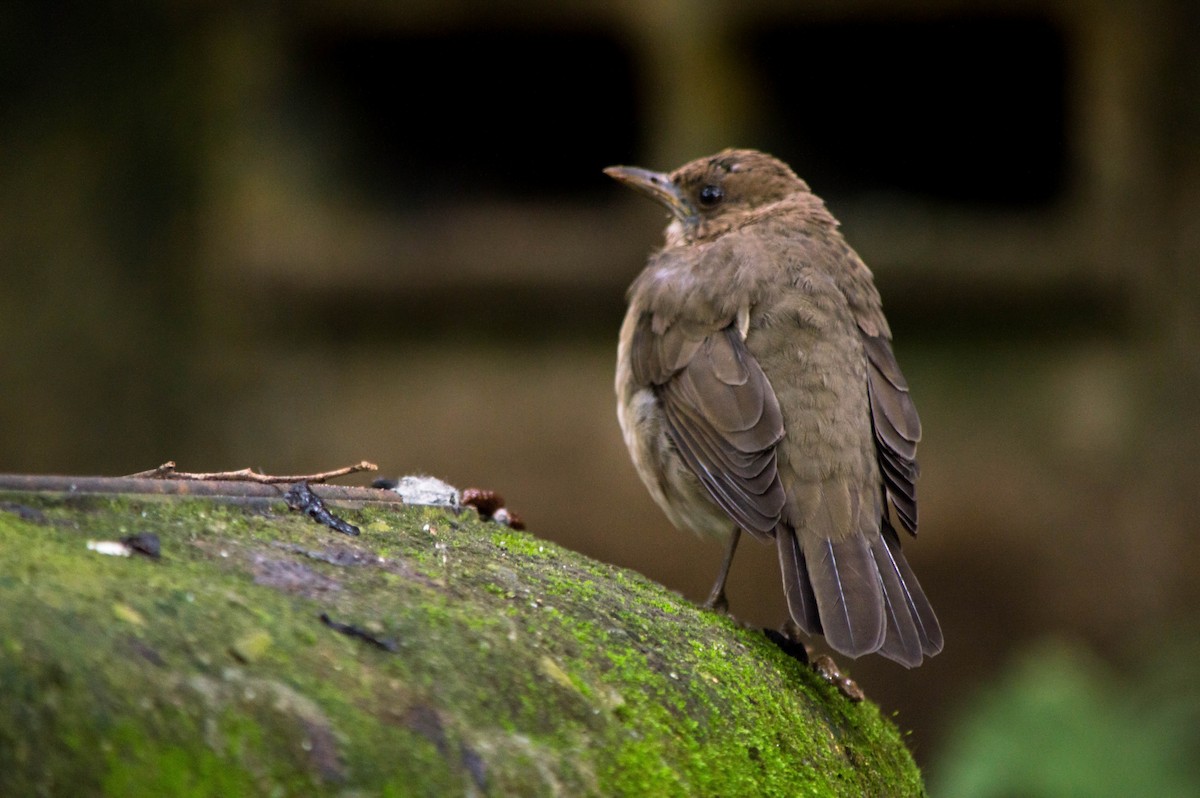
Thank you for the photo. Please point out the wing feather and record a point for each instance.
(897, 428)
(721, 412)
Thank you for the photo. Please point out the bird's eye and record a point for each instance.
(711, 195)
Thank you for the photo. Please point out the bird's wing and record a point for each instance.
(913, 629)
(721, 413)
(897, 428)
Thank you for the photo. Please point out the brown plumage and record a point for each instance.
(757, 391)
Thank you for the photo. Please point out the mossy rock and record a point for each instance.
(473, 660)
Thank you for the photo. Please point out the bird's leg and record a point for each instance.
(716, 598)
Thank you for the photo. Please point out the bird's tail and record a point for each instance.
(860, 593)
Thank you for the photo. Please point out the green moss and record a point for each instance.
(517, 667)
(519, 543)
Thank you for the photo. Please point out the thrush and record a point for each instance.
(757, 391)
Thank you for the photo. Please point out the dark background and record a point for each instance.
(295, 236)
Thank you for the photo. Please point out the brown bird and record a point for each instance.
(757, 391)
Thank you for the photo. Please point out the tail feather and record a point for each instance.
(845, 581)
(802, 603)
(860, 593)
(927, 627)
(903, 642)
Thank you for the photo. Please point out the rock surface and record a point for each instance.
(435, 654)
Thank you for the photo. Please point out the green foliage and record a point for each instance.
(1060, 724)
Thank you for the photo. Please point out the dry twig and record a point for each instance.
(167, 471)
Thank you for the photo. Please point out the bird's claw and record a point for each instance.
(828, 670)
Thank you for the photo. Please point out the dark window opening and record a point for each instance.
(969, 110)
(416, 116)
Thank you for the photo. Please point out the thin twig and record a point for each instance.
(167, 471)
(155, 473)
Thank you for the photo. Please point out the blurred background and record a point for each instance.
(296, 235)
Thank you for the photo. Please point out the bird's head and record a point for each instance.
(714, 194)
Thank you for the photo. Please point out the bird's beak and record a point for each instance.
(658, 186)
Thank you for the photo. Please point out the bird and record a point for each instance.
(757, 391)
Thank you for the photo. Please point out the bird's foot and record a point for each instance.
(822, 664)
(717, 602)
(828, 670)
